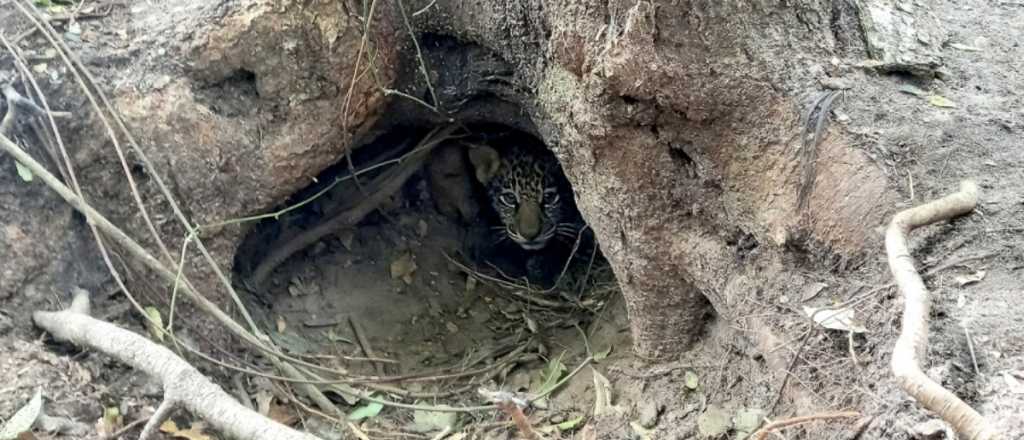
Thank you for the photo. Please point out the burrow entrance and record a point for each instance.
(427, 276)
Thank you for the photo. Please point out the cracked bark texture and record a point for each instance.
(677, 122)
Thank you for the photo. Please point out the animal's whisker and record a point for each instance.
(572, 232)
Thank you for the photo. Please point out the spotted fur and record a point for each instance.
(527, 190)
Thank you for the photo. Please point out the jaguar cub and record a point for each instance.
(538, 229)
(529, 194)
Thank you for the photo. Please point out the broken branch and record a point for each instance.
(184, 386)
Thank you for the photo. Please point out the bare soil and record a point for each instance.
(438, 317)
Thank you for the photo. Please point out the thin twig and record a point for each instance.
(419, 55)
(512, 288)
(970, 346)
(134, 424)
(780, 424)
(853, 351)
(425, 8)
(358, 433)
(516, 414)
(792, 363)
(364, 343)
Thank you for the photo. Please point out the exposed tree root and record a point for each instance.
(913, 340)
(184, 386)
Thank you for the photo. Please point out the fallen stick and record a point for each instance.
(762, 433)
(184, 386)
(913, 340)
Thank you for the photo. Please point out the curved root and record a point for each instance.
(913, 339)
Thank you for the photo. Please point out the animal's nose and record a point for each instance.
(528, 220)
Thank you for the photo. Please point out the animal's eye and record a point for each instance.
(508, 198)
(550, 196)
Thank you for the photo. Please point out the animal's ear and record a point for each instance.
(485, 162)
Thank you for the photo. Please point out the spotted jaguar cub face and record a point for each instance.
(526, 189)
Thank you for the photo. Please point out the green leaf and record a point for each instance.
(551, 374)
(907, 88)
(691, 380)
(602, 355)
(367, 411)
(23, 420)
(23, 172)
(155, 323)
(940, 101)
(569, 425)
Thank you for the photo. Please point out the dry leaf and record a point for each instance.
(811, 290)
(452, 328)
(940, 101)
(906, 88)
(965, 47)
(640, 431)
(346, 237)
(422, 228)
(714, 422)
(282, 414)
(403, 267)
(299, 287)
(1015, 386)
(263, 401)
(282, 325)
(588, 433)
(964, 280)
(194, 432)
(835, 319)
(23, 420)
(602, 394)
